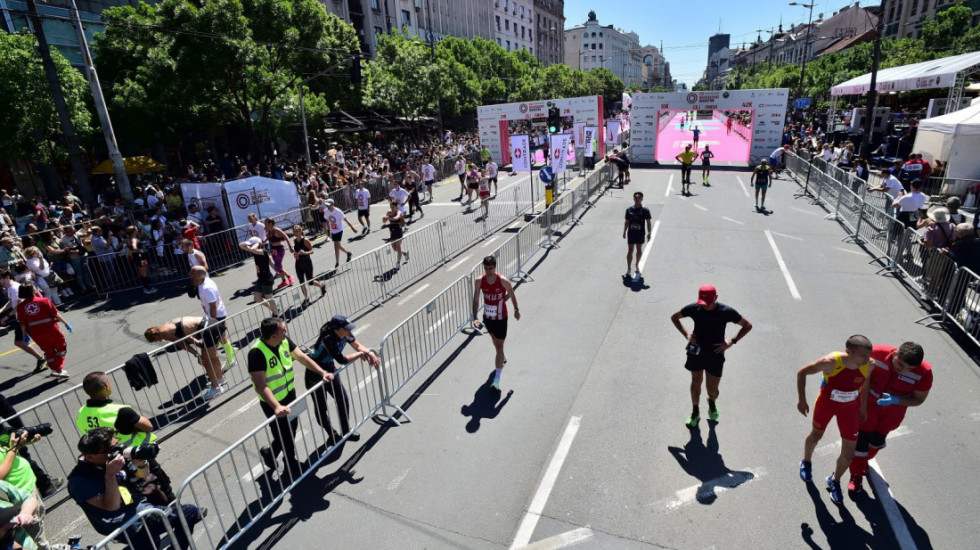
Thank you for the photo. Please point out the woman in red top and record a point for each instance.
(40, 320)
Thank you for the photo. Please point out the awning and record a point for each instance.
(938, 73)
(134, 165)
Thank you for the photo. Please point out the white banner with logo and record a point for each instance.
(612, 131)
(559, 152)
(578, 129)
(264, 197)
(520, 154)
(205, 195)
(589, 140)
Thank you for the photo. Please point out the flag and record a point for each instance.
(590, 144)
(578, 129)
(559, 152)
(612, 131)
(520, 154)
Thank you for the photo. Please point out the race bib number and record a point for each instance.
(490, 311)
(333, 224)
(843, 396)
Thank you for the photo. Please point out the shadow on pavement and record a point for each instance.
(844, 533)
(635, 285)
(705, 463)
(486, 404)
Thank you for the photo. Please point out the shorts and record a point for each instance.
(712, 363)
(430, 184)
(18, 330)
(706, 164)
(211, 336)
(472, 185)
(484, 194)
(773, 161)
(635, 237)
(762, 186)
(492, 180)
(304, 269)
(337, 237)
(396, 232)
(263, 285)
(462, 177)
(139, 259)
(496, 327)
(363, 213)
(882, 419)
(847, 416)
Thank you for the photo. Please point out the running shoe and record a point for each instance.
(40, 366)
(496, 384)
(713, 413)
(406, 256)
(323, 290)
(365, 231)
(692, 421)
(150, 290)
(806, 471)
(855, 485)
(283, 284)
(212, 393)
(349, 256)
(836, 496)
(63, 375)
(291, 280)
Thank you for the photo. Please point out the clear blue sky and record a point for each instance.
(684, 26)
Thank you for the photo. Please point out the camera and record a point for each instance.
(28, 432)
(135, 452)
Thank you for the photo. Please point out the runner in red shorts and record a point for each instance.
(845, 375)
(899, 379)
(494, 288)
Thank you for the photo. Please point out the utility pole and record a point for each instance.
(865, 150)
(118, 167)
(58, 96)
(432, 53)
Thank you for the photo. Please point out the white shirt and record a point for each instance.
(194, 259)
(912, 202)
(777, 154)
(492, 170)
(893, 186)
(363, 197)
(428, 172)
(257, 230)
(13, 295)
(460, 167)
(400, 196)
(208, 293)
(335, 220)
(828, 154)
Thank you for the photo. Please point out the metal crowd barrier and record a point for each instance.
(149, 529)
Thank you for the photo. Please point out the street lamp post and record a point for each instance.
(806, 43)
(865, 150)
(355, 58)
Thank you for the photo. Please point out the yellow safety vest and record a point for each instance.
(278, 370)
(105, 417)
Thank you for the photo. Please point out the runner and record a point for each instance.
(139, 259)
(899, 379)
(776, 160)
(303, 252)
(411, 185)
(617, 160)
(686, 158)
(428, 180)
(395, 219)
(706, 157)
(254, 228)
(461, 173)
(636, 233)
(484, 193)
(12, 289)
(844, 377)
(262, 288)
(399, 196)
(492, 170)
(760, 179)
(277, 250)
(363, 197)
(697, 136)
(728, 125)
(473, 179)
(626, 165)
(706, 346)
(495, 289)
(205, 350)
(335, 221)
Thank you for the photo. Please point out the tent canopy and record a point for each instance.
(955, 139)
(962, 122)
(134, 165)
(938, 73)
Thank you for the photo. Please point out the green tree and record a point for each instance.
(195, 63)
(29, 124)
(947, 28)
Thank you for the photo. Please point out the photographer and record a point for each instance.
(46, 485)
(131, 429)
(19, 528)
(105, 484)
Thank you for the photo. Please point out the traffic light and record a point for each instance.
(554, 120)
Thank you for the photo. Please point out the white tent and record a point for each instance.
(953, 138)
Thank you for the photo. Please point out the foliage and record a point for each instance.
(29, 124)
(195, 63)
(951, 31)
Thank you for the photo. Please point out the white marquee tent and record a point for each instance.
(953, 138)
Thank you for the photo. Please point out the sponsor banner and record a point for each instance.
(205, 195)
(559, 152)
(578, 129)
(612, 131)
(520, 154)
(590, 144)
(264, 197)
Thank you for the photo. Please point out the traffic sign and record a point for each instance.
(546, 174)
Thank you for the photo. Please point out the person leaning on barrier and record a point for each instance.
(965, 250)
(9, 421)
(335, 334)
(17, 472)
(102, 485)
(19, 527)
(270, 365)
(131, 430)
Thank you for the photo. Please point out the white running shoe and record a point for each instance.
(212, 393)
(63, 375)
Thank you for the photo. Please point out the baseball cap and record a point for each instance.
(329, 202)
(339, 321)
(707, 295)
(252, 241)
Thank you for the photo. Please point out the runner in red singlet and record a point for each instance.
(494, 288)
(844, 377)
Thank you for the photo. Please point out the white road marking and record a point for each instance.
(490, 241)
(787, 236)
(418, 291)
(530, 521)
(849, 251)
(699, 207)
(363, 327)
(742, 183)
(669, 183)
(459, 263)
(241, 410)
(563, 540)
(884, 493)
(726, 218)
(782, 267)
(366, 381)
(440, 321)
(710, 489)
(646, 249)
(805, 211)
(398, 480)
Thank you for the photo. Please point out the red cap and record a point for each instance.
(707, 295)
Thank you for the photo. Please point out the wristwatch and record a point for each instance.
(734, 340)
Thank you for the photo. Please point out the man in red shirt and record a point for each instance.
(899, 379)
(495, 289)
(40, 320)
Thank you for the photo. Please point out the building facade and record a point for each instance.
(655, 69)
(592, 46)
(549, 25)
(904, 18)
(513, 24)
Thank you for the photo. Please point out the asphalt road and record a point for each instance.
(587, 443)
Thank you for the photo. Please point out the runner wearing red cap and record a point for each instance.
(706, 346)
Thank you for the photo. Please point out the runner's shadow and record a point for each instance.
(486, 404)
(883, 534)
(840, 534)
(707, 465)
(764, 211)
(635, 285)
(386, 276)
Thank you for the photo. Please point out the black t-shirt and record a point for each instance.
(256, 359)
(126, 418)
(709, 326)
(88, 481)
(262, 267)
(637, 218)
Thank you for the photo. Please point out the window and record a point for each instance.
(406, 18)
(915, 7)
(507, 24)
(498, 21)
(498, 42)
(600, 45)
(592, 46)
(508, 45)
(374, 5)
(593, 35)
(522, 32)
(522, 12)
(529, 35)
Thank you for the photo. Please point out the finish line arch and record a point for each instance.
(651, 112)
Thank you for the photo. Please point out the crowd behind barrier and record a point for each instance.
(950, 290)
